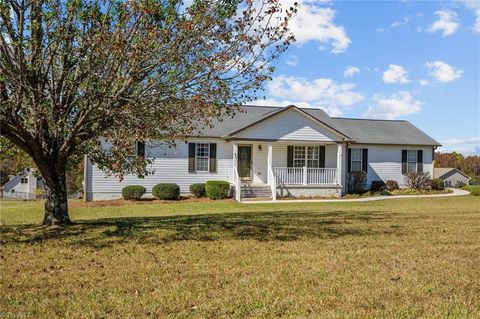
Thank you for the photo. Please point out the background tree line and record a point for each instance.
(470, 165)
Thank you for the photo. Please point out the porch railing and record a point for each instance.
(306, 175)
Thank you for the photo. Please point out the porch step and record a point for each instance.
(255, 191)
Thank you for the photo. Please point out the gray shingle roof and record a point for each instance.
(359, 130)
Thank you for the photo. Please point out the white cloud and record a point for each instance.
(330, 110)
(322, 91)
(406, 20)
(424, 82)
(292, 60)
(469, 140)
(391, 107)
(447, 23)
(351, 71)
(476, 26)
(395, 74)
(315, 23)
(442, 71)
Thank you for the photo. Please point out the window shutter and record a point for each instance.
(141, 149)
(404, 162)
(213, 157)
(289, 156)
(191, 157)
(365, 160)
(321, 157)
(419, 161)
(349, 160)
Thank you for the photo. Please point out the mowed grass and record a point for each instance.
(403, 258)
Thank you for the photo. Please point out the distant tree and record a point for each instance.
(12, 159)
(470, 165)
(72, 72)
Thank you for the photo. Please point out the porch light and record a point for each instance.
(259, 147)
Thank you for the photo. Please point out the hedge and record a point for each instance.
(391, 185)
(437, 184)
(166, 191)
(134, 192)
(217, 189)
(198, 190)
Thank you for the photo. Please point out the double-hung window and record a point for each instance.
(305, 156)
(356, 159)
(202, 157)
(24, 180)
(411, 161)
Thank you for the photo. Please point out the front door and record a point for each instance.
(245, 162)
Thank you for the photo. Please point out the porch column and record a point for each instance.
(235, 155)
(341, 165)
(269, 163)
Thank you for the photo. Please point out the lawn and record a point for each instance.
(403, 258)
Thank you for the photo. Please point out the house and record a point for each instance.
(451, 176)
(280, 151)
(23, 185)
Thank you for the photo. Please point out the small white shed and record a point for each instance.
(450, 176)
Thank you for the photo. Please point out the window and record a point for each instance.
(202, 157)
(356, 160)
(140, 148)
(411, 161)
(305, 156)
(24, 180)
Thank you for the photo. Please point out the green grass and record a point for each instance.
(474, 189)
(403, 258)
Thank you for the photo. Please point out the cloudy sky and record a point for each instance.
(412, 60)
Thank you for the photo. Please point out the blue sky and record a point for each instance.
(412, 60)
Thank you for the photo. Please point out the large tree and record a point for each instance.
(72, 72)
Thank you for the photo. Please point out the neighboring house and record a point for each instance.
(280, 151)
(22, 185)
(451, 176)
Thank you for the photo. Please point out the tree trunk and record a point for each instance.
(56, 206)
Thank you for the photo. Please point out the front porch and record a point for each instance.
(287, 169)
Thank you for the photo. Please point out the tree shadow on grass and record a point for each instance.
(261, 226)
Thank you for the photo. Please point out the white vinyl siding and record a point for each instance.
(202, 157)
(385, 162)
(289, 125)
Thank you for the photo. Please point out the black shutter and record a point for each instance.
(213, 157)
(404, 162)
(191, 157)
(419, 161)
(349, 160)
(289, 156)
(321, 158)
(365, 160)
(141, 149)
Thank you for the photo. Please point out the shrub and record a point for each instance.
(134, 192)
(166, 191)
(198, 190)
(460, 185)
(377, 186)
(217, 189)
(437, 184)
(355, 182)
(418, 181)
(391, 185)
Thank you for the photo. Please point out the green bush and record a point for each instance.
(437, 184)
(198, 190)
(460, 185)
(217, 189)
(166, 191)
(134, 192)
(473, 189)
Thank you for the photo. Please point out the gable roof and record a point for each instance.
(358, 130)
(319, 117)
(441, 172)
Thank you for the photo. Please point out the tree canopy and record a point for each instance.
(72, 72)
